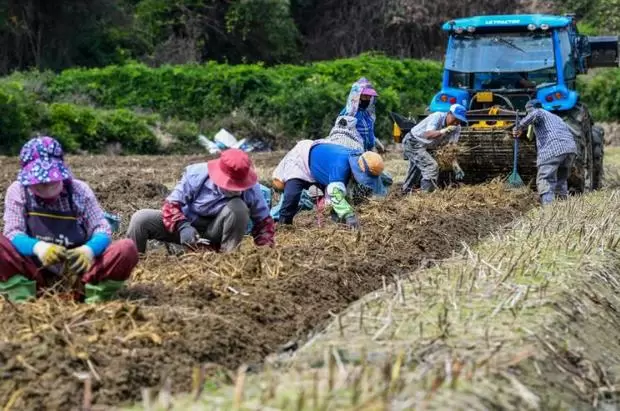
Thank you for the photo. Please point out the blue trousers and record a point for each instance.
(292, 195)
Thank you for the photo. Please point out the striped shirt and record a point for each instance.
(366, 128)
(435, 121)
(553, 137)
(89, 212)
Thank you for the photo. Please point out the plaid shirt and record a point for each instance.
(89, 212)
(553, 137)
(435, 121)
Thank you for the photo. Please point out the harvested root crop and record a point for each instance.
(447, 155)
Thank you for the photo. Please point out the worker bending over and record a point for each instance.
(345, 133)
(339, 171)
(212, 205)
(555, 150)
(54, 227)
(436, 129)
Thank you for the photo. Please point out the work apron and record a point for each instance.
(57, 227)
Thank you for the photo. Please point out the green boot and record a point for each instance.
(102, 291)
(18, 288)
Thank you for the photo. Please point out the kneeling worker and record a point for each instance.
(213, 200)
(337, 170)
(54, 226)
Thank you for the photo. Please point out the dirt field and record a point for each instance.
(179, 312)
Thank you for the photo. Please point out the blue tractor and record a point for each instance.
(495, 64)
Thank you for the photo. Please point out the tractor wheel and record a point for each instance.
(582, 176)
(598, 152)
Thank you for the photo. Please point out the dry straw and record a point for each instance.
(526, 320)
(201, 307)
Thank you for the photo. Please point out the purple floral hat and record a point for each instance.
(41, 161)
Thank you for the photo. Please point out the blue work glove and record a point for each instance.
(352, 222)
(188, 234)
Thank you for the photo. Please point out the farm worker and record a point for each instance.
(51, 220)
(361, 105)
(213, 201)
(556, 150)
(346, 134)
(337, 170)
(436, 129)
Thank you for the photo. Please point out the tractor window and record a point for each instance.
(502, 81)
(567, 59)
(500, 52)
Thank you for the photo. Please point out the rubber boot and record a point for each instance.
(334, 216)
(102, 291)
(427, 186)
(18, 289)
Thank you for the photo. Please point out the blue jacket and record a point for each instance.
(329, 163)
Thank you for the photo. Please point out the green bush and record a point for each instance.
(602, 95)
(21, 114)
(297, 101)
(76, 127)
(85, 128)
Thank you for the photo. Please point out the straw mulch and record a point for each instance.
(221, 310)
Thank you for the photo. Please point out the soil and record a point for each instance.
(180, 312)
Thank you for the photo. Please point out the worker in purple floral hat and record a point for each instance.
(54, 227)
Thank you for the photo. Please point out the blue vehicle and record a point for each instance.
(495, 64)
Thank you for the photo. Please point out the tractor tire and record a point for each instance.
(598, 152)
(582, 176)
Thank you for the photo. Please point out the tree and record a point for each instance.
(598, 16)
(59, 34)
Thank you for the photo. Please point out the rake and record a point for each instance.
(515, 180)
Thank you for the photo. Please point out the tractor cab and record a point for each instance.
(504, 61)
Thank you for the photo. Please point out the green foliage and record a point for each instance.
(264, 29)
(602, 95)
(178, 136)
(74, 126)
(295, 101)
(77, 127)
(598, 16)
(85, 128)
(588, 29)
(20, 113)
(131, 130)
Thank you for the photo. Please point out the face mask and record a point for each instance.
(364, 104)
(231, 194)
(47, 191)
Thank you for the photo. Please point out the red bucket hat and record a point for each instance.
(233, 171)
